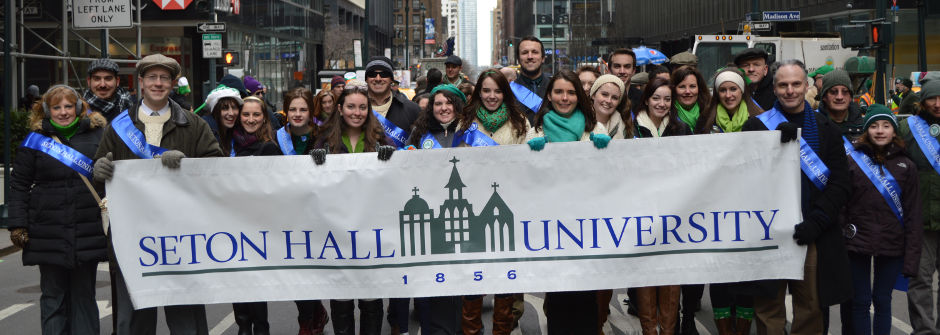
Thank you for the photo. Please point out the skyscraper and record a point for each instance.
(467, 37)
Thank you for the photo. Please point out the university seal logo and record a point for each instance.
(455, 229)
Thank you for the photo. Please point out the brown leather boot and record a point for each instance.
(647, 309)
(471, 322)
(502, 314)
(725, 326)
(742, 326)
(668, 308)
(603, 308)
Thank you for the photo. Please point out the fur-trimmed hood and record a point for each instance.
(94, 119)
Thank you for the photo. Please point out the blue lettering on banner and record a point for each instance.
(546, 235)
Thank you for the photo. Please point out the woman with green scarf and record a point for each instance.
(691, 95)
(566, 115)
(731, 104)
(493, 107)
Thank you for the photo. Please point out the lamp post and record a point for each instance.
(407, 35)
(423, 29)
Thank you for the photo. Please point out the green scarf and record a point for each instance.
(563, 128)
(360, 146)
(690, 116)
(67, 131)
(300, 143)
(731, 124)
(493, 120)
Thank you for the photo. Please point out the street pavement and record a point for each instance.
(19, 309)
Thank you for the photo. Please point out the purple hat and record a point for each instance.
(252, 85)
(337, 80)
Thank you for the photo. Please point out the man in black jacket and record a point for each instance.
(531, 56)
(393, 107)
(754, 62)
(826, 278)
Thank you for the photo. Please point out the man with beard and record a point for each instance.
(533, 82)
(103, 93)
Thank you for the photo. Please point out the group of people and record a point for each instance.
(868, 216)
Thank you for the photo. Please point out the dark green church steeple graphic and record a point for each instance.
(455, 229)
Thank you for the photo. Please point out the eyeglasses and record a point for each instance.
(153, 78)
(382, 74)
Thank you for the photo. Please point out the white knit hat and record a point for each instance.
(222, 92)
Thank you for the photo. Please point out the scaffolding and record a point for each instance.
(14, 55)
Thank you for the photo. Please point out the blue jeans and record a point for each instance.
(886, 272)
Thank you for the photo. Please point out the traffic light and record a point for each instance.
(880, 33)
(229, 58)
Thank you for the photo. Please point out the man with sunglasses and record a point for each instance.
(395, 109)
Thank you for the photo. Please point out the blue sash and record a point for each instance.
(232, 149)
(884, 182)
(133, 138)
(474, 137)
(429, 142)
(398, 135)
(810, 163)
(284, 141)
(526, 97)
(928, 144)
(61, 152)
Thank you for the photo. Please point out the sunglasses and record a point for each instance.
(382, 74)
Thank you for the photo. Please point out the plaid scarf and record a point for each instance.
(110, 108)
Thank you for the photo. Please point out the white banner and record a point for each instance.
(676, 210)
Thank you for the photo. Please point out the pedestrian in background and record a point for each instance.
(755, 63)
(323, 106)
(54, 217)
(104, 93)
(836, 103)
(565, 116)
(587, 74)
(165, 127)
(919, 132)
(337, 84)
(355, 129)
(886, 231)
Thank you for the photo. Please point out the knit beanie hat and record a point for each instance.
(222, 92)
(822, 70)
(929, 88)
(879, 112)
(836, 78)
(379, 63)
(450, 88)
(253, 85)
(337, 80)
(102, 64)
(604, 79)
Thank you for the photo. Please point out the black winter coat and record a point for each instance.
(403, 112)
(255, 148)
(852, 126)
(878, 231)
(833, 276)
(52, 202)
(764, 92)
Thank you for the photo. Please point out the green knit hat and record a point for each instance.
(836, 78)
(452, 89)
(822, 70)
(879, 112)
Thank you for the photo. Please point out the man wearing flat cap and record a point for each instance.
(453, 66)
(170, 134)
(104, 94)
(754, 62)
(394, 108)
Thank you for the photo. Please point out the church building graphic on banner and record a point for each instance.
(455, 229)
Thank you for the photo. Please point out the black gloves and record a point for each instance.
(809, 230)
(787, 131)
(319, 155)
(385, 151)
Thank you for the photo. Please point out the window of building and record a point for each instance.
(399, 19)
